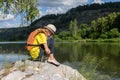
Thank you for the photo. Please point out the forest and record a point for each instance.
(103, 28)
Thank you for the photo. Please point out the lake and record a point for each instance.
(101, 58)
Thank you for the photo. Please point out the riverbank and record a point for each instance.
(67, 41)
(91, 40)
(103, 40)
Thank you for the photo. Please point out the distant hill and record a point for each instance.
(13, 34)
(83, 14)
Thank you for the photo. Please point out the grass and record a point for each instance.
(100, 40)
(91, 40)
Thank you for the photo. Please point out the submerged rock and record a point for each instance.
(30, 70)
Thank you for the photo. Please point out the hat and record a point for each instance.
(51, 27)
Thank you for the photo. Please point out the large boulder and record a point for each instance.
(30, 70)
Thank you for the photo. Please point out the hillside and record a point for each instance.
(83, 14)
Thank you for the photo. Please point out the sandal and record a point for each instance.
(54, 62)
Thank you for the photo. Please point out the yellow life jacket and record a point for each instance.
(31, 37)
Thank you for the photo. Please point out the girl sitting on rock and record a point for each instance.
(40, 40)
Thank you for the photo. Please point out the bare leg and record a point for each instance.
(52, 60)
(51, 57)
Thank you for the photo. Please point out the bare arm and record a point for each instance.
(47, 50)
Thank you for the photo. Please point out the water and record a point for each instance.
(72, 54)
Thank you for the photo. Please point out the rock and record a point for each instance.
(30, 70)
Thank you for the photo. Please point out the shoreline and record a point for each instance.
(67, 41)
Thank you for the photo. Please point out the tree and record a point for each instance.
(73, 27)
(116, 22)
(85, 31)
(27, 9)
(64, 35)
(105, 24)
(113, 33)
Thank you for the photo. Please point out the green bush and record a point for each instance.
(103, 36)
(113, 33)
(63, 35)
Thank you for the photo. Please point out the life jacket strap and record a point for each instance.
(33, 44)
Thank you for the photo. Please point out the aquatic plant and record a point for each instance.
(89, 68)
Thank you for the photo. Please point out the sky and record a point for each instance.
(48, 7)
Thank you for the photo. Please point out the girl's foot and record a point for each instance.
(54, 62)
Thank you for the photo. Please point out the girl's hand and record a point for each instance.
(47, 51)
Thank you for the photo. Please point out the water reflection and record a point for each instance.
(12, 57)
(8, 58)
(73, 52)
